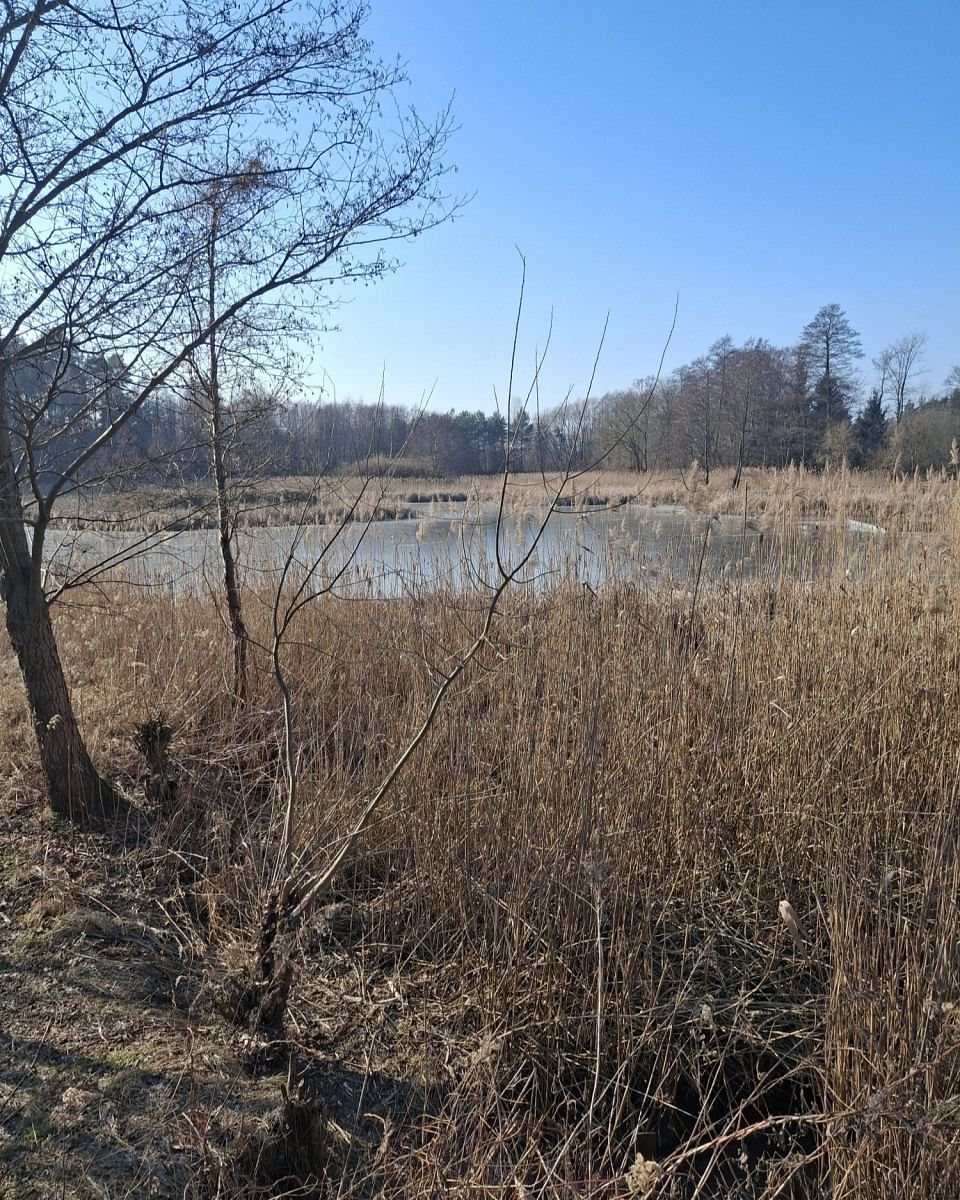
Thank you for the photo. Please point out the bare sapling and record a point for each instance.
(226, 209)
(296, 886)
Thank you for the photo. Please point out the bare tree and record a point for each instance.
(625, 420)
(111, 119)
(746, 383)
(898, 365)
(696, 397)
(227, 210)
(722, 360)
(296, 884)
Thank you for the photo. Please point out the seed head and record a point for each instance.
(642, 1175)
(789, 917)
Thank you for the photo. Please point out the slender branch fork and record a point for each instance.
(297, 895)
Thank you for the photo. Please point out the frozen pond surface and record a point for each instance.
(450, 546)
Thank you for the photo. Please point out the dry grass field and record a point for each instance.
(664, 905)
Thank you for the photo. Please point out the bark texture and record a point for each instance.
(230, 586)
(74, 788)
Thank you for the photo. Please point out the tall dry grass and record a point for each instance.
(916, 500)
(575, 892)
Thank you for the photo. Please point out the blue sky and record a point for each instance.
(758, 159)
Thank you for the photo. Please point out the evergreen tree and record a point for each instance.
(830, 404)
(870, 431)
(832, 345)
(521, 436)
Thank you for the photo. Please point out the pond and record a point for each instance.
(450, 545)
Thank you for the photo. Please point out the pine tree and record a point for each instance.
(870, 431)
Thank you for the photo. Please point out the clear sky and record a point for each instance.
(758, 159)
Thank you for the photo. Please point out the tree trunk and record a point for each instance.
(74, 788)
(706, 443)
(743, 441)
(230, 586)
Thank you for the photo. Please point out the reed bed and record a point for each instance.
(918, 501)
(666, 905)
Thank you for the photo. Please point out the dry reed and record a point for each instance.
(575, 896)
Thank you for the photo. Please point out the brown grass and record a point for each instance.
(917, 501)
(568, 940)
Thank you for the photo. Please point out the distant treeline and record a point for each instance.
(753, 404)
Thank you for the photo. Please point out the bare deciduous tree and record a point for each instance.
(625, 420)
(111, 119)
(898, 365)
(227, 211)
(296, 885)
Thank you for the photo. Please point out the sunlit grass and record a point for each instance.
(674, 861)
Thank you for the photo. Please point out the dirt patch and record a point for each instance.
(117, 1077)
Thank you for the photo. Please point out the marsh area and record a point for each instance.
(449, 544)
